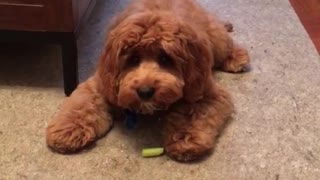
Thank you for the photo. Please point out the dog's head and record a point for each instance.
(151, 60)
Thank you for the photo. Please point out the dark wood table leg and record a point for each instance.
(70, 62)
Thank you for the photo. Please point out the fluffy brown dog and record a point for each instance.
(158, 58)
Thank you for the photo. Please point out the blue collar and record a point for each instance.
(131, 119)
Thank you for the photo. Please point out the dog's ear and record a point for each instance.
(197, 70)
(120, 39)
(193, 50)
(108, 69)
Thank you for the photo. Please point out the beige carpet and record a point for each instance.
(274, 135)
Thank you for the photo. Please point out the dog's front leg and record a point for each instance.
(82, 119)
(191, 130)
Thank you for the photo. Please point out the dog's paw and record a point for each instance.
(186, 147)
(238, 62)
(69, 137)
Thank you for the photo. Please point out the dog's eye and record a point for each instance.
(164, 59)
(133, 61)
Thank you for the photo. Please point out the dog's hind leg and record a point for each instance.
(228, 56)
(237, 61)
(83, 118)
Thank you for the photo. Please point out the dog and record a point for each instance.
(159, 56)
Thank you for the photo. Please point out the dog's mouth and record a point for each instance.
(149, 108)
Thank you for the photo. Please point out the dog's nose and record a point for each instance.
(145, 92)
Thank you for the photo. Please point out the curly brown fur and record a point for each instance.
(158, 56)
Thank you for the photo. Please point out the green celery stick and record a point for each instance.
(152, 152)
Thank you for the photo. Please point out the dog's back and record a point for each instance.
(186, 10)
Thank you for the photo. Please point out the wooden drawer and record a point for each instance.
(15, 15)
(42, 15)
(26, 2)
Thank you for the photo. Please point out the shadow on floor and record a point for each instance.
(35, 65)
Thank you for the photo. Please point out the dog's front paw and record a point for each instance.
(188, 147)
(69, 137)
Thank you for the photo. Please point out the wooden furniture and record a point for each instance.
(47, 21)
(309, 15)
